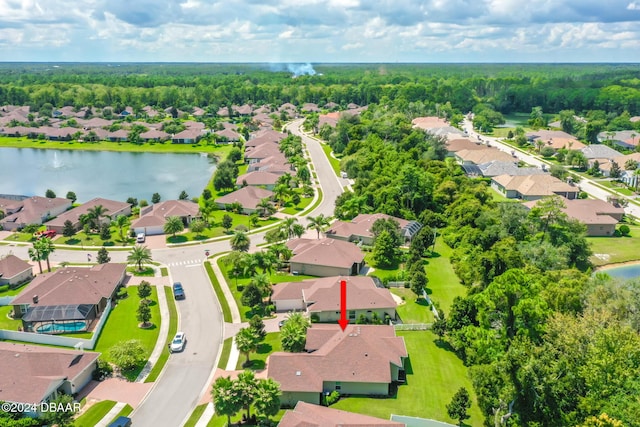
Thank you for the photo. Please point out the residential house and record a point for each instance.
(154, 135)
(113, 208)
(34, 210)
(153, 217)
(532, 187)
(331, 106)
(95, 122)
(459, 144)
(330, 119)
(71, 295)
(275, 164)
(229, 135)
(626, 175)
(307, 415)
(269, 149)
(599, 216)
(263, 136)
(187, 136)
(242, 110)
(555, 139)
(623, 138)
(264, 179)
(249, 197)
(150, 111)
(310, 107)
(320, 298)
(427, 123)
(359, 228)
(34, 374)
(120, 135)
(325, 257)
(495, 168)
(14, 271)
(361, 360)
(488, 154)
(599, 152)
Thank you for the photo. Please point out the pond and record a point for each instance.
(631, 271)
(108, 174)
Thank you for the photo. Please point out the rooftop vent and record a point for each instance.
(298, 373)
(35, 299)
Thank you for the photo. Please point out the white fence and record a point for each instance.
(412, 326)
(396, 284)
(62, 341)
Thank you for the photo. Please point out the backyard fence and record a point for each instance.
(396, 284)
(59, 340)
(412, 326)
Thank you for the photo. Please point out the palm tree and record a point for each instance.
(298, 230)
(95, 214)
(246, 342)
(318, 223)
(280, 193)
(45, 248)
(206, 208)
(122, 222)
(287, 226)
(240, 241)
(265, 207)
(262, 282)
(34, 255)
(139, 255)
(173, 225)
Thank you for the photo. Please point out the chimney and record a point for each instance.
(35, 299)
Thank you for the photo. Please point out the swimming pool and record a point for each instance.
(62, 327)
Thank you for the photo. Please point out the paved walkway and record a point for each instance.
(104, 422)
(116, 389)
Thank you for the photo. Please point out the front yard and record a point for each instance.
(434, 374)
(216, 230)
(270, 345)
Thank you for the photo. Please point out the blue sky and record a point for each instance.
(320, 30)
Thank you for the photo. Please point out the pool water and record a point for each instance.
(62, 327)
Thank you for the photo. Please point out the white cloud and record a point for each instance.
(633, 6)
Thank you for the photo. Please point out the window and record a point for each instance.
(338, 385)
(352, 314)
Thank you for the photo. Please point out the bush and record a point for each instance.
(624, 230)
(332, 397)
(315, 318)
(582, 195)
(103, 370)
(617, 233)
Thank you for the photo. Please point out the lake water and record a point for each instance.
(631, 271)
(108, 174)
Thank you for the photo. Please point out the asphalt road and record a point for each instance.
(585, 184)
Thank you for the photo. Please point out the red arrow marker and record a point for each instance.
(343, 305)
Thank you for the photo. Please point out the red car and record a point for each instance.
(47, 233)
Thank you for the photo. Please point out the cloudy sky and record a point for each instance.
(320, 30)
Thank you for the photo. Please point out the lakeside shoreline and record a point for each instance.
(616, 265)
(7, 142)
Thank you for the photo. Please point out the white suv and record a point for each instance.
(140, 238)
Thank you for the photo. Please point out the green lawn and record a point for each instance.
(12, 292)
(123, 413)
(292, 209)
(414, 310)
(616, 186)
(381, 273)
(224, 304)
(173, 328)
(216, 229)
(434, 374)
(609, 250)
(94, 414)
(226, 351)
(5, 322)
(271, 344)
(234, 284)
(222, 150)
(443, 285)
(221, 421)
(335, 163)
(195, 415)
(122, 325)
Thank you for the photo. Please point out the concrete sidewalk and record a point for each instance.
(104, 422)
(206, 416)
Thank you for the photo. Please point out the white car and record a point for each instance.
(140, 238)
(178, 342)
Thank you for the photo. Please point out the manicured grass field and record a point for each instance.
(94, 414)
(609, 250)
(5, 322)
(123, 413)
(276, 277)
(381, 273)
(224, 304)
(221, 421)
(414, 310)
(12, 292)
(195, 415)
(616, 186)
(270, 345)
(433, 377)
(216, 229)
(292, 209)
(443, 285)
(222, 150)
(226, 351)
(173, 328)
(335, 163)
(122, 325)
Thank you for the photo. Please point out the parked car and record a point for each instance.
(178, 342)
(47, 233)
(140, 238)
(121, 421)
(178, 291)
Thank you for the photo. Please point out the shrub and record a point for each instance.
(332, 397)
(315, 318)
(103, 370)
(617, 233)
(624, 230)
(582, 195)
